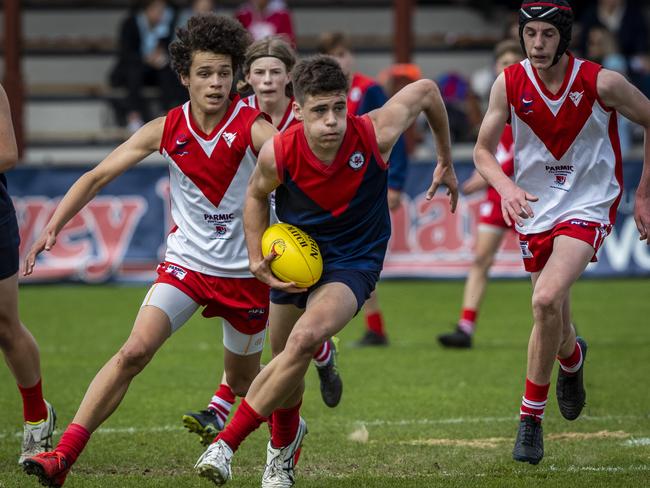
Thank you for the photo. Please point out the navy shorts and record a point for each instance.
(361, 282)
(9, 242)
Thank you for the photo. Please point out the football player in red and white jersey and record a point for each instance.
(211, 144)
(568, 183)
(266, 71)
(492, 228)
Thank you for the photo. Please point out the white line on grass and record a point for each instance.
(642, 441)
(376, 422)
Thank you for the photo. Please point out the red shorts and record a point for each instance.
(244, 302)
(537, 248)
(490, 213)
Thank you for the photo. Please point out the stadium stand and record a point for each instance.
(69, 48)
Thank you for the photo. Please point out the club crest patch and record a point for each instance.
(357, 161)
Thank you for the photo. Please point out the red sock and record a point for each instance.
(375, 323)
(534, 401)
(72, 442)
(34, 408)
(285, 425)
(245, 421)
(467, 321)
(573, 362)
(322, 356)
(222, 402)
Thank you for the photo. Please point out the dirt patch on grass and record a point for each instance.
(586, 436)
(494, 442)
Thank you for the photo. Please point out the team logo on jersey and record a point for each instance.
(221, 229)
(560, 173)
(356, 161)
(176, 271)
(525, 252)
(576, 96)
(229, 137)
(526, 104)
(355, 94)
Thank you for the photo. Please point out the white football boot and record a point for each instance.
(37, 436)
(214, 463)
(280, 462)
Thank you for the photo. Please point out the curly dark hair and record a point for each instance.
(317, 75)
(212, 33)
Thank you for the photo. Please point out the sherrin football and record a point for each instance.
(298, 257)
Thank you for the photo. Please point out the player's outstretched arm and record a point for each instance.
(8, 148)
(256, 217)
(140, 145)
(401, 111)
(514, 200)
(618, 93)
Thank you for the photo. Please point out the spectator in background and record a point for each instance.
(264, 18)
(392, 79)
(602, 49)
(629, 26)
(143, 60)
(463, 107)
(195, 7)
(482, 80)
(366, 95)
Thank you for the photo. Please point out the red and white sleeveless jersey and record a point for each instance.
(287, 120)
(208, 178)
(567, 150)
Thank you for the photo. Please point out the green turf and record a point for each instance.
(434, 417)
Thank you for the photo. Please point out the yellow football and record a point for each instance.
(298, 257)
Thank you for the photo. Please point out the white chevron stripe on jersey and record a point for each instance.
(580, 185)
(553, 105)
(209, 239)
(209, 145)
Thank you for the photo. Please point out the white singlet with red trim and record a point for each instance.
(208, 179)
(287, 120)
(567, 150)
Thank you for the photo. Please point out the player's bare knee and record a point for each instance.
(546, 303)
(133, 357)
(302, 343)
(483, 261)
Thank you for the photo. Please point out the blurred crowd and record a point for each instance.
(613, 33)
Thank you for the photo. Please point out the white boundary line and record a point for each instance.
(367, 423)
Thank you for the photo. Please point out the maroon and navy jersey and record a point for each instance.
(209, 174)
(567, 151)
(342, 205)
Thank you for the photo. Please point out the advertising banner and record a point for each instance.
(120, 235)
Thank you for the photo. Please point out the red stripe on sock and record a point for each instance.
(245, 421)
(73, 441)
(225, 393)
(573, 360)
(323, 351)
(375, 323)
(469, 315)
(534, 393)
(34, 408)
(285, 425)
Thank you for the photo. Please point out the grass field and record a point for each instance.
(433, 417)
